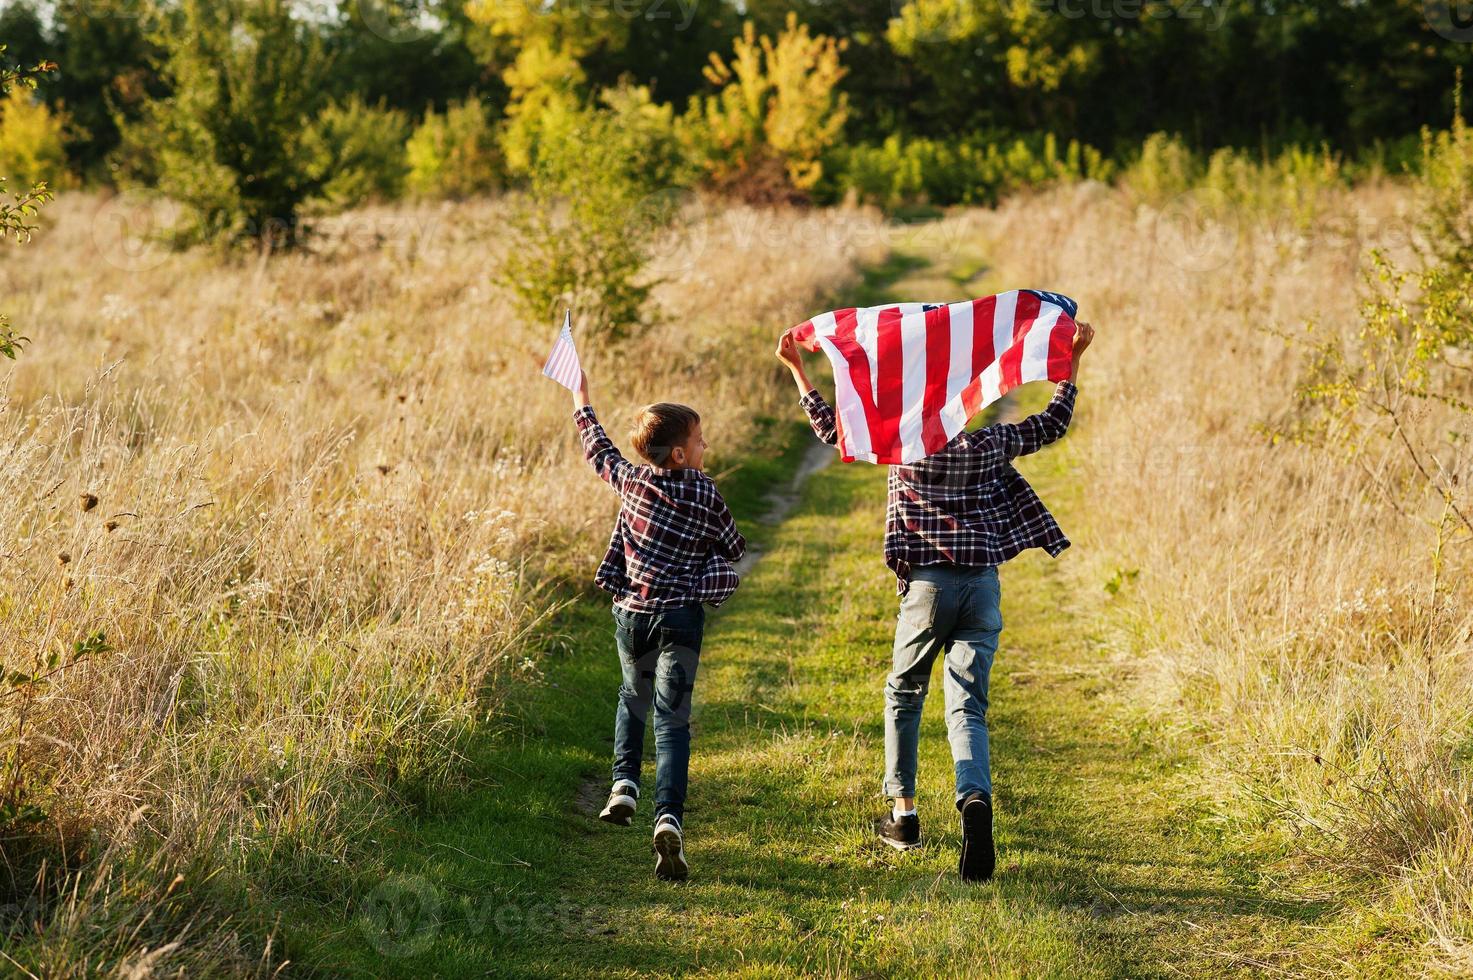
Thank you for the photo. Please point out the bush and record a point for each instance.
(233, 140)
(454, 154)
(359, 151)
(1446, 188)
(1166, 168)
(32, 141)
(976, 171)
(601, 192)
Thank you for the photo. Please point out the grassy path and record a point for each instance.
(1100, 871)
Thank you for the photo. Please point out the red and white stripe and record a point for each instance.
(908, 378)
(562, 364)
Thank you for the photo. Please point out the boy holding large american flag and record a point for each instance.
(957, 508)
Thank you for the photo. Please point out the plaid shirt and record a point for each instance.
(674, 541)
(966, 505)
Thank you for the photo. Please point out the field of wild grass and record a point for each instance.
(276, 531)
(1299, 611)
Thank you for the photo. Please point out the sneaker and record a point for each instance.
(903, 834)
(670, 863)
(979, 856)
(620, 808)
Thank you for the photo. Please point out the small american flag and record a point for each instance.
(562, 364)
(909, 377)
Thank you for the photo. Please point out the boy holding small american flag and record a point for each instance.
(671, 552)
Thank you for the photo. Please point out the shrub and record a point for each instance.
(454, 154)
(763, 136)
(975, 171)
(1446, 188)
(232, 142)
(599, 195)
(1165, 168)
(32, 141)
(359, 151)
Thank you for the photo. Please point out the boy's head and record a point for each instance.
(669, 435)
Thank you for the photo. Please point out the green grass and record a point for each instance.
(1103, 870)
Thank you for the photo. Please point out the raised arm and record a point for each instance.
(598, 448)
(820, 414)
(1049, 425)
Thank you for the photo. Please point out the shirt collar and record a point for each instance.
(685, 473)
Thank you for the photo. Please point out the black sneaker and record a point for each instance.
(620, 808)
(670, 863)
(979, 856)
(903, 834)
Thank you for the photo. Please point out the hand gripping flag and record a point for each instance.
(909, 377)
(562, 364)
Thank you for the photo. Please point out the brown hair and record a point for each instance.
(659, 428)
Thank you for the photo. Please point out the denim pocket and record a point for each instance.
(681, 639)
(919, 604)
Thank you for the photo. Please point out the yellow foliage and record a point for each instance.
(32, 141)
(779, 103)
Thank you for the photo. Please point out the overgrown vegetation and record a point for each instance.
(795, 112)
(970, 171)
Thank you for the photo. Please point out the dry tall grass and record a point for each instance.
(282, 521)
(1285, 609)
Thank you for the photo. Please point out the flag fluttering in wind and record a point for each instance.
(562, 364)
(910, 376)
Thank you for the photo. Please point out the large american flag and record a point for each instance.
(909, 377)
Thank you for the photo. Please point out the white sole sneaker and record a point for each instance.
(901, 845)
(670, 863)
(620, 808)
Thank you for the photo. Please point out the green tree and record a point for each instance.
(405, 54)
(16, 210)
(108, 73)
(234, 139)
(603, 190)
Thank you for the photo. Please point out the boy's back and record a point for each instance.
(966, 504)
(674, 540)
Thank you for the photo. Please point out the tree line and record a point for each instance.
(1247, 73)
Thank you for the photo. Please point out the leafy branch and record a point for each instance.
(15, 213)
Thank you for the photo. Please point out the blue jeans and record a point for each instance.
(958, 610)
(658, 655)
